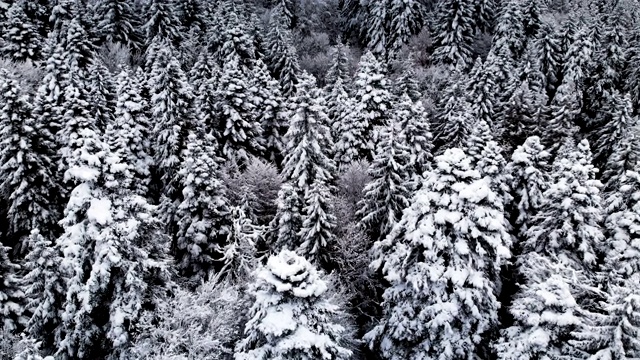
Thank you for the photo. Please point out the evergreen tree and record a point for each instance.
(625, 156)
(347, 128)
(561, 121)
(288, 221)
(116, 21)
(407, 82)
(204, 77)
(45, 291)
(567, 227)
(306, 161)
(292, 316)
(614, 334)
(20, 39)
(101, 92)
(406, 20)
(388, 193)
(131, 121)
(453, 119)
(281, 57)
(27, 176)
(481, 90)
(12, 317)
(435, 307)
(317, 235)
(172, 105)
(238, 128)
(235, 38)
(77, 44)
(529, 181)
(454, 33)
(510, 35)
(521, 116)
(340, 67)
(623, 209)
(550, 58)
(578, 57)
(416, 135)
(239, 252)
(202, 216)
(373, 101)
(162, 21)
(617, 120)
(270, 113)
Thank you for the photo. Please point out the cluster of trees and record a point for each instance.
(398, 179)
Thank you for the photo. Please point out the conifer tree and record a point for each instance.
(529, 181)
(162, 21)
(101, 92)
(239, 131)
(578, 57)
(20, 38)
(270, 113)
(388, 193)
(306, 161)
(614, 334)
(77, 44)
(317, 235)
(453, 119)
(27, 179)
(12, 317)
(406, 20)
(173, 114)
(550, 55)
(339, 69)
(561, 121)
(292, 316)
(116, 21)
(521, 116)
(623, 209)
(625, 156)
(416, 135)
(235, 38)
(567, 226)
(481, 90)
(453, 33)
(347, 129)
(509, 33)
(436, 308)
(45, 291)
(617, 120)
(131, 120)
(407, 82)
(373, 101)
(238, 255)
(204, 78)
(202, 215)
(281, 57)
(288, 221)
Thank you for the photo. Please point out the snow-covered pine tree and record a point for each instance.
(173, 114)
(613, 334)
(623, 209)
(346, 128)
(406, 18)
(308, 140)
(376, 27)
(520, 116)
(567, 227)
(235, 37)
(388, 193)
(561, 121)
(549, 51)
(202, 215)
(408, 81)
(481, 89)
(287, 224)
(238, 128)
(27, 181)
(238, 255)
(544, 310)
(45, 291)
(101, 92)
(529, 181)
(270, 112)
(340, 67)
(116, 21)
(509, 35)
(163, 21)
(20, 39)
(204, 78)
(416, 135)
(281, 57)
(293, 315)
(12, 316)
(373, 101)
(130, 118)
(578, 57)
(77, 44)
(616, 120)
(443, 263)
(317, 235)
(625, 156)
(454, 32)
(453, 119)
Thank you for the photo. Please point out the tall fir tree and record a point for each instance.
(388, 193)
(281, 57)
(288, 220)
(317, 235)
(163, 21)
(339, 68)
(435, 307)
(116, 21)
(453, 121)
(290, 288)
(27, 183)
(416, 135)
(454, 33)
(21, 40)
(373, 101)
(12, 317)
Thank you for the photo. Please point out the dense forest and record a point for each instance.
(320, 179)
